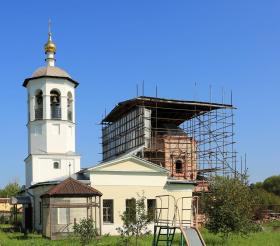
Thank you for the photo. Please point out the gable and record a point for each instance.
(129, 165)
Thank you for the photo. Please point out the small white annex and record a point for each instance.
(122, 179)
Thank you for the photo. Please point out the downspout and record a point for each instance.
(33, 210)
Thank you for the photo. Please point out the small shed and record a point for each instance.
(66, 204)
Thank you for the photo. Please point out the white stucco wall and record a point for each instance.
(40, 167)
(128, 178)
(124, 180)
(48, 135)
(49, 139)
(119, 194)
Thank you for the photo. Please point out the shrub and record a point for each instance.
(135, 221)
(85, 230)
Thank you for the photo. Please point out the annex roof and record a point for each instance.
(20, 200)
(177, 111)
(72, 188)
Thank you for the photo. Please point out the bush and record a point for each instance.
(229, 207)
(85, 230)
(2, 219)
(135, 221)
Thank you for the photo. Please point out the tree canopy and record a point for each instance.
(10, 189)
(272, 184)
(229, 207)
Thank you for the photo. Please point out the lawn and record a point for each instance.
(268, 237)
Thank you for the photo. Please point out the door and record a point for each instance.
(28, 218)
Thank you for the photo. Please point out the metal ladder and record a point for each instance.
(165, 223)
(164, 234)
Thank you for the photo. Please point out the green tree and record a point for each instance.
(272, 184)
(257, 185)
(264, 200)
(229, 207)
(135, 221)
(10, 190)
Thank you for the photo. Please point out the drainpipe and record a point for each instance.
(33, 210)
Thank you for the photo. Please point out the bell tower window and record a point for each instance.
(39, 105)
(69, 106)
(55, 105)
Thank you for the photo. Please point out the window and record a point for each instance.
(69, 106)
(55, 105)
(179, 166)
(63, 216)
(108, 211)
(151, 208)
(56, 165)
(28, 109)
(39, 105)
(131, 209)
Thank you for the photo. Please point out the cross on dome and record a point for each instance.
(50, 48)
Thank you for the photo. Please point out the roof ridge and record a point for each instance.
(72, 187)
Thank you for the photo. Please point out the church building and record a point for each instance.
(145, 152)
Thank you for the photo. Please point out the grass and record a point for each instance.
(268, 237)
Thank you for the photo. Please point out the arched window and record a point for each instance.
(28, 107)
(69, 106)
(56, 165)
(179, 166)
(55, 105)
(39, 105)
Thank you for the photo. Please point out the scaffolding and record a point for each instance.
(194, 140)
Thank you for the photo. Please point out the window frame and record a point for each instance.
(58, 162)
(131, 212)
(177, 170)
(108, 208)
(153, 212)
(67, 216)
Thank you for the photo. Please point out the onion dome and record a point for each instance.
(50, 46)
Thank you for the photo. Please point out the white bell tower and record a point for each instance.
(51, 122)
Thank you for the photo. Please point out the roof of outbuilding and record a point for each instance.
(4, 200)
(71, 188)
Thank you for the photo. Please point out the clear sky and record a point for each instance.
(110, 46)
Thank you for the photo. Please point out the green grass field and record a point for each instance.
(268, 237)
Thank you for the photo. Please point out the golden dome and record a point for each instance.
(50, 46)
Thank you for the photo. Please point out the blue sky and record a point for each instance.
(110, 46)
